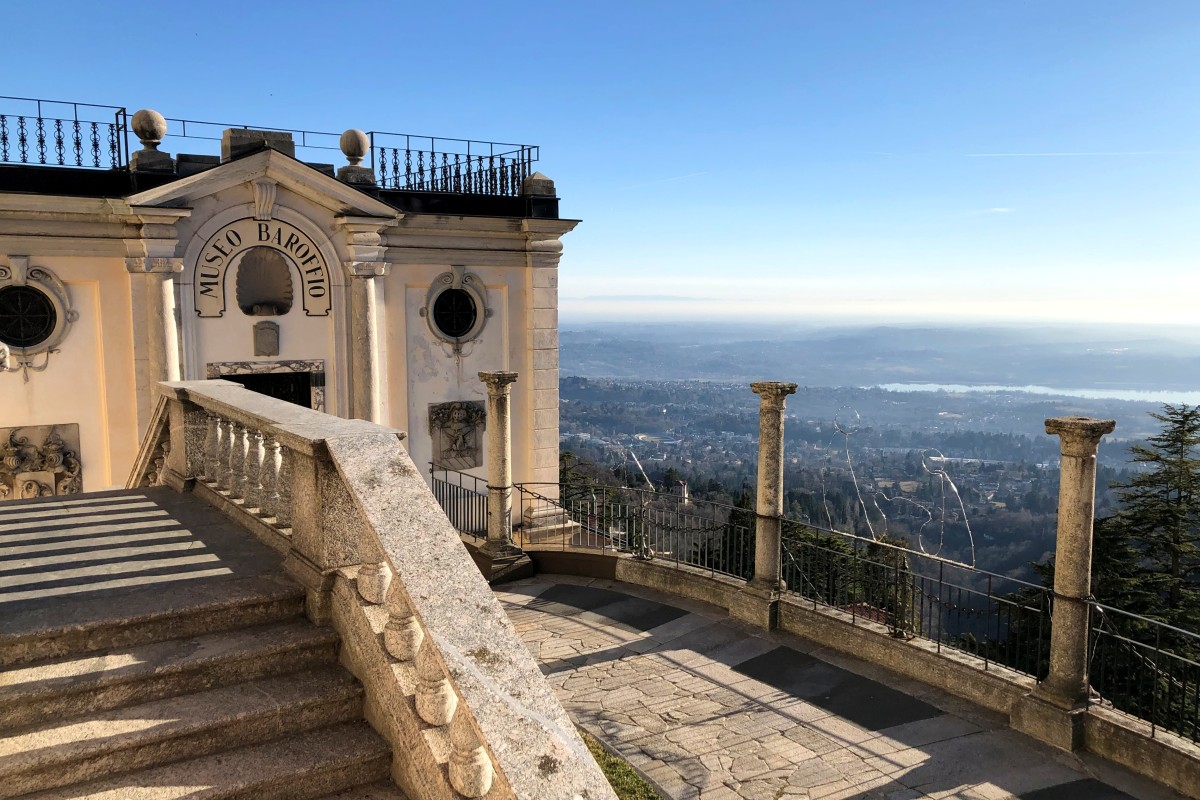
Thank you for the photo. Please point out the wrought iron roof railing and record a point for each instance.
(60, 133)
(67, 134)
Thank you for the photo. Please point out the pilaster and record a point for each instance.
(364, 242)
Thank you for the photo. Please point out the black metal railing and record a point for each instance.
(703, 534)
(68, 134)
(1139, 666)
(1147, 669)
(997, 619)
(311, 146)
(62, 134)
(464, 499)
(432, 164)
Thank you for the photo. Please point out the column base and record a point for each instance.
(500, 562)
(318, 587)
(758, 604)
(1049, 722)
(550, 525)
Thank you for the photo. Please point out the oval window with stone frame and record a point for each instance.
(27, 316)
(456, 308)
(35, 309)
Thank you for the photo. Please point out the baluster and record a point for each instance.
(503, 175)
(283, 489)
(470, 768)
(77, 143)
(269, 479)
(211, 447)
(3, 138)
(408, 179)
(23, 140)
(403, 635)
(114, 151)
(254, 460)
(41, 140)
(420, 169)
(58, 142)
(436, 700)
(373, 582)
(396, 168)
(237, 460)
(95, 136)
(457, 172)
(445, 173)
(224, 452)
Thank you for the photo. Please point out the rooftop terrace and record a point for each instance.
(52, 146)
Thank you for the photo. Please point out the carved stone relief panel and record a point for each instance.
(40, 461)
(266, 339)
(456, 429)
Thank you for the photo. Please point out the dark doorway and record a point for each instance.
(295, 387)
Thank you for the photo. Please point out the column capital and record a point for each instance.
(498, 382)
(365, 269)
(145, 264)
(773, 391)
(1080, 435)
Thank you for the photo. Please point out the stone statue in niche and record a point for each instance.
(40, 461)
(266, 339)
(454, 428)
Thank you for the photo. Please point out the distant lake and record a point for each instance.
(1191, 398)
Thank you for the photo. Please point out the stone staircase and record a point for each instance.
(151, 650)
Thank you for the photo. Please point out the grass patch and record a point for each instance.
(625, 782)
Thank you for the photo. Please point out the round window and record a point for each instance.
(27, 316)
(454, 313)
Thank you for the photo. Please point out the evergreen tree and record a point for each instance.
(1160, 515)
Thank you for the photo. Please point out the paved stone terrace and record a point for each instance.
(713, 709)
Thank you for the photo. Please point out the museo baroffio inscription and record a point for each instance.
(223, 248)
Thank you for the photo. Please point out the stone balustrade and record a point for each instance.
(448, 682)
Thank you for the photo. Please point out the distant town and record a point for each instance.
(951, 467)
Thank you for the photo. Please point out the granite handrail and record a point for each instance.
(448, 681)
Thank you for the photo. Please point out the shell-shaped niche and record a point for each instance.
(264, 283)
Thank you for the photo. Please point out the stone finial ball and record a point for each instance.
(150, 127)
(354, 144)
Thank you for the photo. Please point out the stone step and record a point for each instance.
(175, 728)
(78, 626)
(76, 685)
(308, 765)
(384, 790)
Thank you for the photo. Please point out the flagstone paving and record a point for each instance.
(711, 709)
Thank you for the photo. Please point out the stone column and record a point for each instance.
(162, 328)
(758, 601)
(364, 343)
(1054, 711)
(499, 435)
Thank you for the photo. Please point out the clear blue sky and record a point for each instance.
(904, 159)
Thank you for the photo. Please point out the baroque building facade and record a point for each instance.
(376, 291)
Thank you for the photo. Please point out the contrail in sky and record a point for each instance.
(1054, 155)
